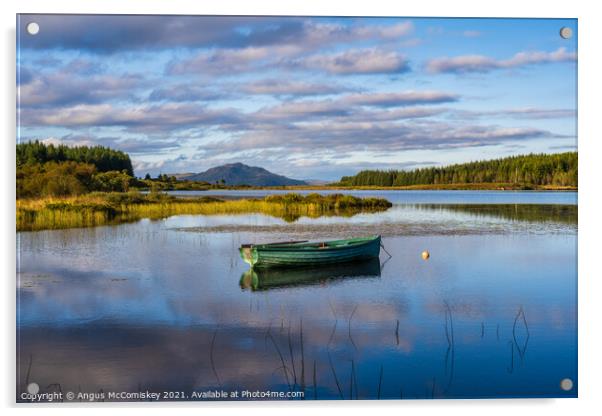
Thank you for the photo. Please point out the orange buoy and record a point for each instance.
(425, 255)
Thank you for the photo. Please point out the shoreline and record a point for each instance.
(451, 187)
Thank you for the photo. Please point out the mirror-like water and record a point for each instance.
(170, 306)
(414, 197)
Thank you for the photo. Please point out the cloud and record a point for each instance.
(184, 93)
(397, 114)
(300, 110)
(177, 108)
(141, 145)
(289, 129)
(539, 113)
(130, 145)
(117, 33)
(564, 147)
(377, 122)
(84, 67)
(352, 143)
(401, 98)
(321, 34)
(356, 61)
(63, 88)
(480, 63)
(385, 31)
(221, 61)
(530, 113)
(244, 60)
(279, 87)
(352, 105)
(73, 142)
(346, 135)
(471, 33)
(143, 118)
(291, 51)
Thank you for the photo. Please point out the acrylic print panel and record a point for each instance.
(419, 176)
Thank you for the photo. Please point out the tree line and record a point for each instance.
(534, 169)
(103, 158)
(49, 170)
(45, 170)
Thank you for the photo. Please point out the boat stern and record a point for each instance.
(248, 254)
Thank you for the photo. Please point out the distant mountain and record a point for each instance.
(241, 174)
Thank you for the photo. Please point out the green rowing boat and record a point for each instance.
(303, 253)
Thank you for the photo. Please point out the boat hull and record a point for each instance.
(311, 254)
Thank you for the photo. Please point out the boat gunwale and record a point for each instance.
(316, 245)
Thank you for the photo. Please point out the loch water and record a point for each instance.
(169, 306)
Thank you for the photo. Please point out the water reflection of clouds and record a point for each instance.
(408, 219)
(417, 197)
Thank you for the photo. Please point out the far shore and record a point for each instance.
(440, 187)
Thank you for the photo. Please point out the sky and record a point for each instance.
(306, 97)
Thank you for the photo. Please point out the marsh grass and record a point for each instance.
(113, 208)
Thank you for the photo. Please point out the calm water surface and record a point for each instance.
(414, 197)
(169, 305)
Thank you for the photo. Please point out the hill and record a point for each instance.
(235, 174)
(558, 169)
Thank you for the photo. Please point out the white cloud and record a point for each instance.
(281, 87)
(480, 63)
(357, 61)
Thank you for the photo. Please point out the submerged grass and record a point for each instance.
(113, 208)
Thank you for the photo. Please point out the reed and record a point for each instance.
(290, 350)
(284, 366)
(353, 382)
(451, 348)
(29, 370)
(113, 208)
(334, 373)
(302, 355)
(380, 382)
(315, 383)
(521, 349)
(219, 382)
(350, 318)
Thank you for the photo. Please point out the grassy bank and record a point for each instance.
(113, 208)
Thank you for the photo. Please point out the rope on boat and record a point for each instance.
(383, 247)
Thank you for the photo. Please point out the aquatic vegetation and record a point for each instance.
(99, 208)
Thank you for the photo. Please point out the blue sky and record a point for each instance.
(310, 98)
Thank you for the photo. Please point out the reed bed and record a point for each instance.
(113, 208)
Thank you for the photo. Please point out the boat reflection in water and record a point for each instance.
(272, 278)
